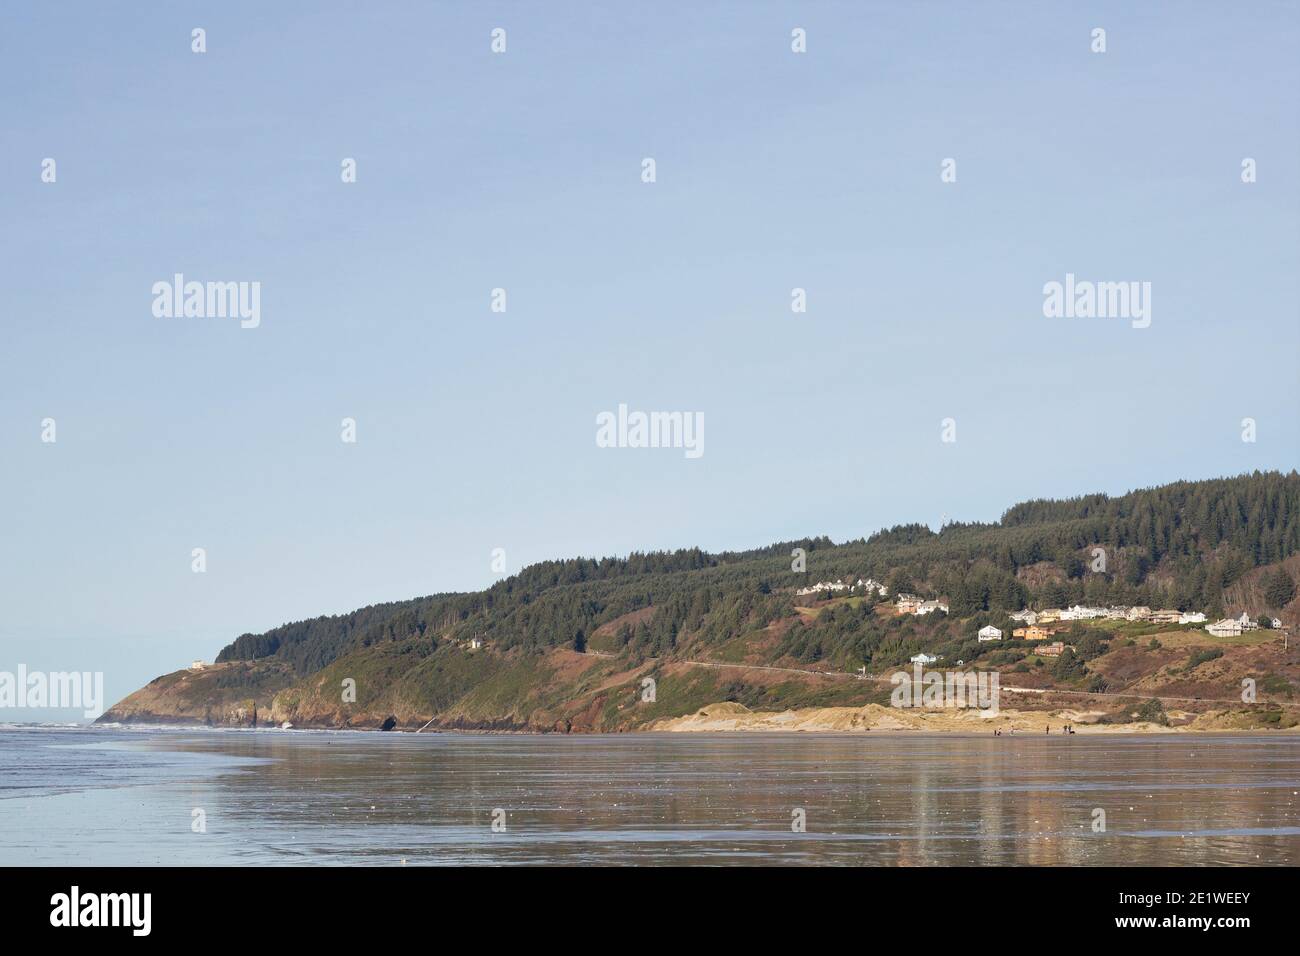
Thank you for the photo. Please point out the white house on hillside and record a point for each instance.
(1192, 617)
(990, 633)
(923, 658)
(824, 586)
(1225, 628)
(1081, 613)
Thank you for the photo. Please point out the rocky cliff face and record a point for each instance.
(407, 686)
(237, 694)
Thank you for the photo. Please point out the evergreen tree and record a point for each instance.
(1279, 589)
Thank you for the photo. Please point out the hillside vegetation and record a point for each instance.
(566, 644)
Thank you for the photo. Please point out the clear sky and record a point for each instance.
(522, 170)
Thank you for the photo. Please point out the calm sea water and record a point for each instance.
(104, 796)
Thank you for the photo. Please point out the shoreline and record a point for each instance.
(732, 719)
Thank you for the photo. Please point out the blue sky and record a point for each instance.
(476, 429)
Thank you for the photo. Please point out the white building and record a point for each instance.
(827, 586)
(1192, 617)
(1277, 623)
(1028, 616)
(475, 643)
(1246, 623)
(1139, 613)
(923, 658)
(1081, 613)
(198, 665)
(928, 607)
(990, 633)
(1225, 628)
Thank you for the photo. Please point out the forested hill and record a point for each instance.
(1179, 545)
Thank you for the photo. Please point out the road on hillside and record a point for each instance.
(1015, 690)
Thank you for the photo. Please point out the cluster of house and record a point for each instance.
(834, 587)
(1228, 627)
(1234, 626)
(1115, 613)
(1034, 621)
(1030, 633)
(911, 604)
